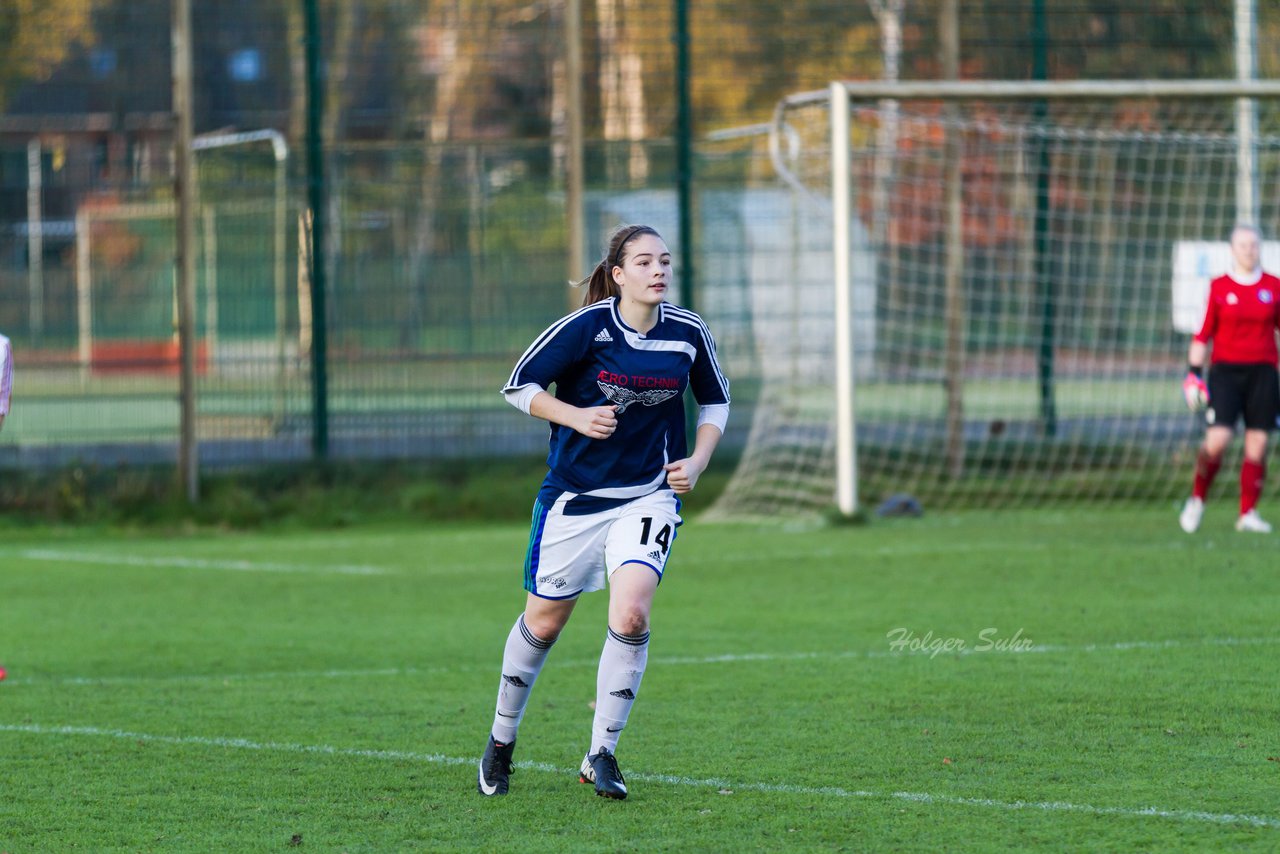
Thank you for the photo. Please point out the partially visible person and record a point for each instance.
(1241, 321)
(6, 377)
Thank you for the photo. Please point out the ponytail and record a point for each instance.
(600, 284)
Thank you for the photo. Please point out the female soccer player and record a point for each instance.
(607, 508)
(1241, 321)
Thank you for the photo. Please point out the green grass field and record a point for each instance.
(331, 691)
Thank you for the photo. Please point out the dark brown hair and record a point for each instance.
(600, 284)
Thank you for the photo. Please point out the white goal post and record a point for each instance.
(1111, 176)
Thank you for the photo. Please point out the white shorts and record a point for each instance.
(571, 552)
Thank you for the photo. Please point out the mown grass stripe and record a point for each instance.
(719, 784)
(675, 661)
(181, 562)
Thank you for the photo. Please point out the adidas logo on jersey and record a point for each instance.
(603, 335)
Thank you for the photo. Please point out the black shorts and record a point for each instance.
(1249, 390)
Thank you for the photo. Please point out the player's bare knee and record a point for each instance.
(1215, 450)
(1216, 440)
(630, 620)
(1255, 445)
(544, 631)
(545, 627)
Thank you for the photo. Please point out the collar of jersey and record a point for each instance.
(1252, 279)
(631, 334)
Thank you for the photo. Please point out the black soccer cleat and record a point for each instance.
(602, 769)
(495, 768)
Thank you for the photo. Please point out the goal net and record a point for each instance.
(1005, 313)
(127, 291)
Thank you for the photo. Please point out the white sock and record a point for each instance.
(521, 661)
(621, 667)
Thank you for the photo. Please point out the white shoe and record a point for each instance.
(1191, 513)
(1252, 522)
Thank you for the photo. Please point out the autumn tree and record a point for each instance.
(36, 36)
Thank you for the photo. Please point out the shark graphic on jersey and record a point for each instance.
(624, 397)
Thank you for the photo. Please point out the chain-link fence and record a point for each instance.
(445, 138)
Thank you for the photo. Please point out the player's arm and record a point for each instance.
(1194, 390)
(682, 475)
(594, 422)
(1199, 347)
(1197, 354)
(711, 390)
(553, 353)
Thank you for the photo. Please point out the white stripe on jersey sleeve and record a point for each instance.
(545, 338)
(708, 343)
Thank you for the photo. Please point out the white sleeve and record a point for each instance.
(714, 413)
(522, 397)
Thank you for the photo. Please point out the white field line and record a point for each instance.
(179, 562)
(721, 785)
(234, 565)
(1033, 649)
(728, 658)
(997, 549)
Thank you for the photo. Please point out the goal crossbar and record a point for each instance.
(1030, 90)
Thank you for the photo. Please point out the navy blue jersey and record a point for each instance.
(594, 359)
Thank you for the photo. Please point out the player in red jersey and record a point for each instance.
(1241, 320)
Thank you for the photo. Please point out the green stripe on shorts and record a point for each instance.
(535, 527)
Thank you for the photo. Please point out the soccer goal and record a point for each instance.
(998, 311)
(126, 295)
(248, 334)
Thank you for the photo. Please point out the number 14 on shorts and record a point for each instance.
(663, 537)
(645, 534)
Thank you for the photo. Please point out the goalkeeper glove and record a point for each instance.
(1194, 391)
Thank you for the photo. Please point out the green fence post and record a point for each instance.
(684, 156)
(317, 200)
(684, 178)
(1044, 268)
